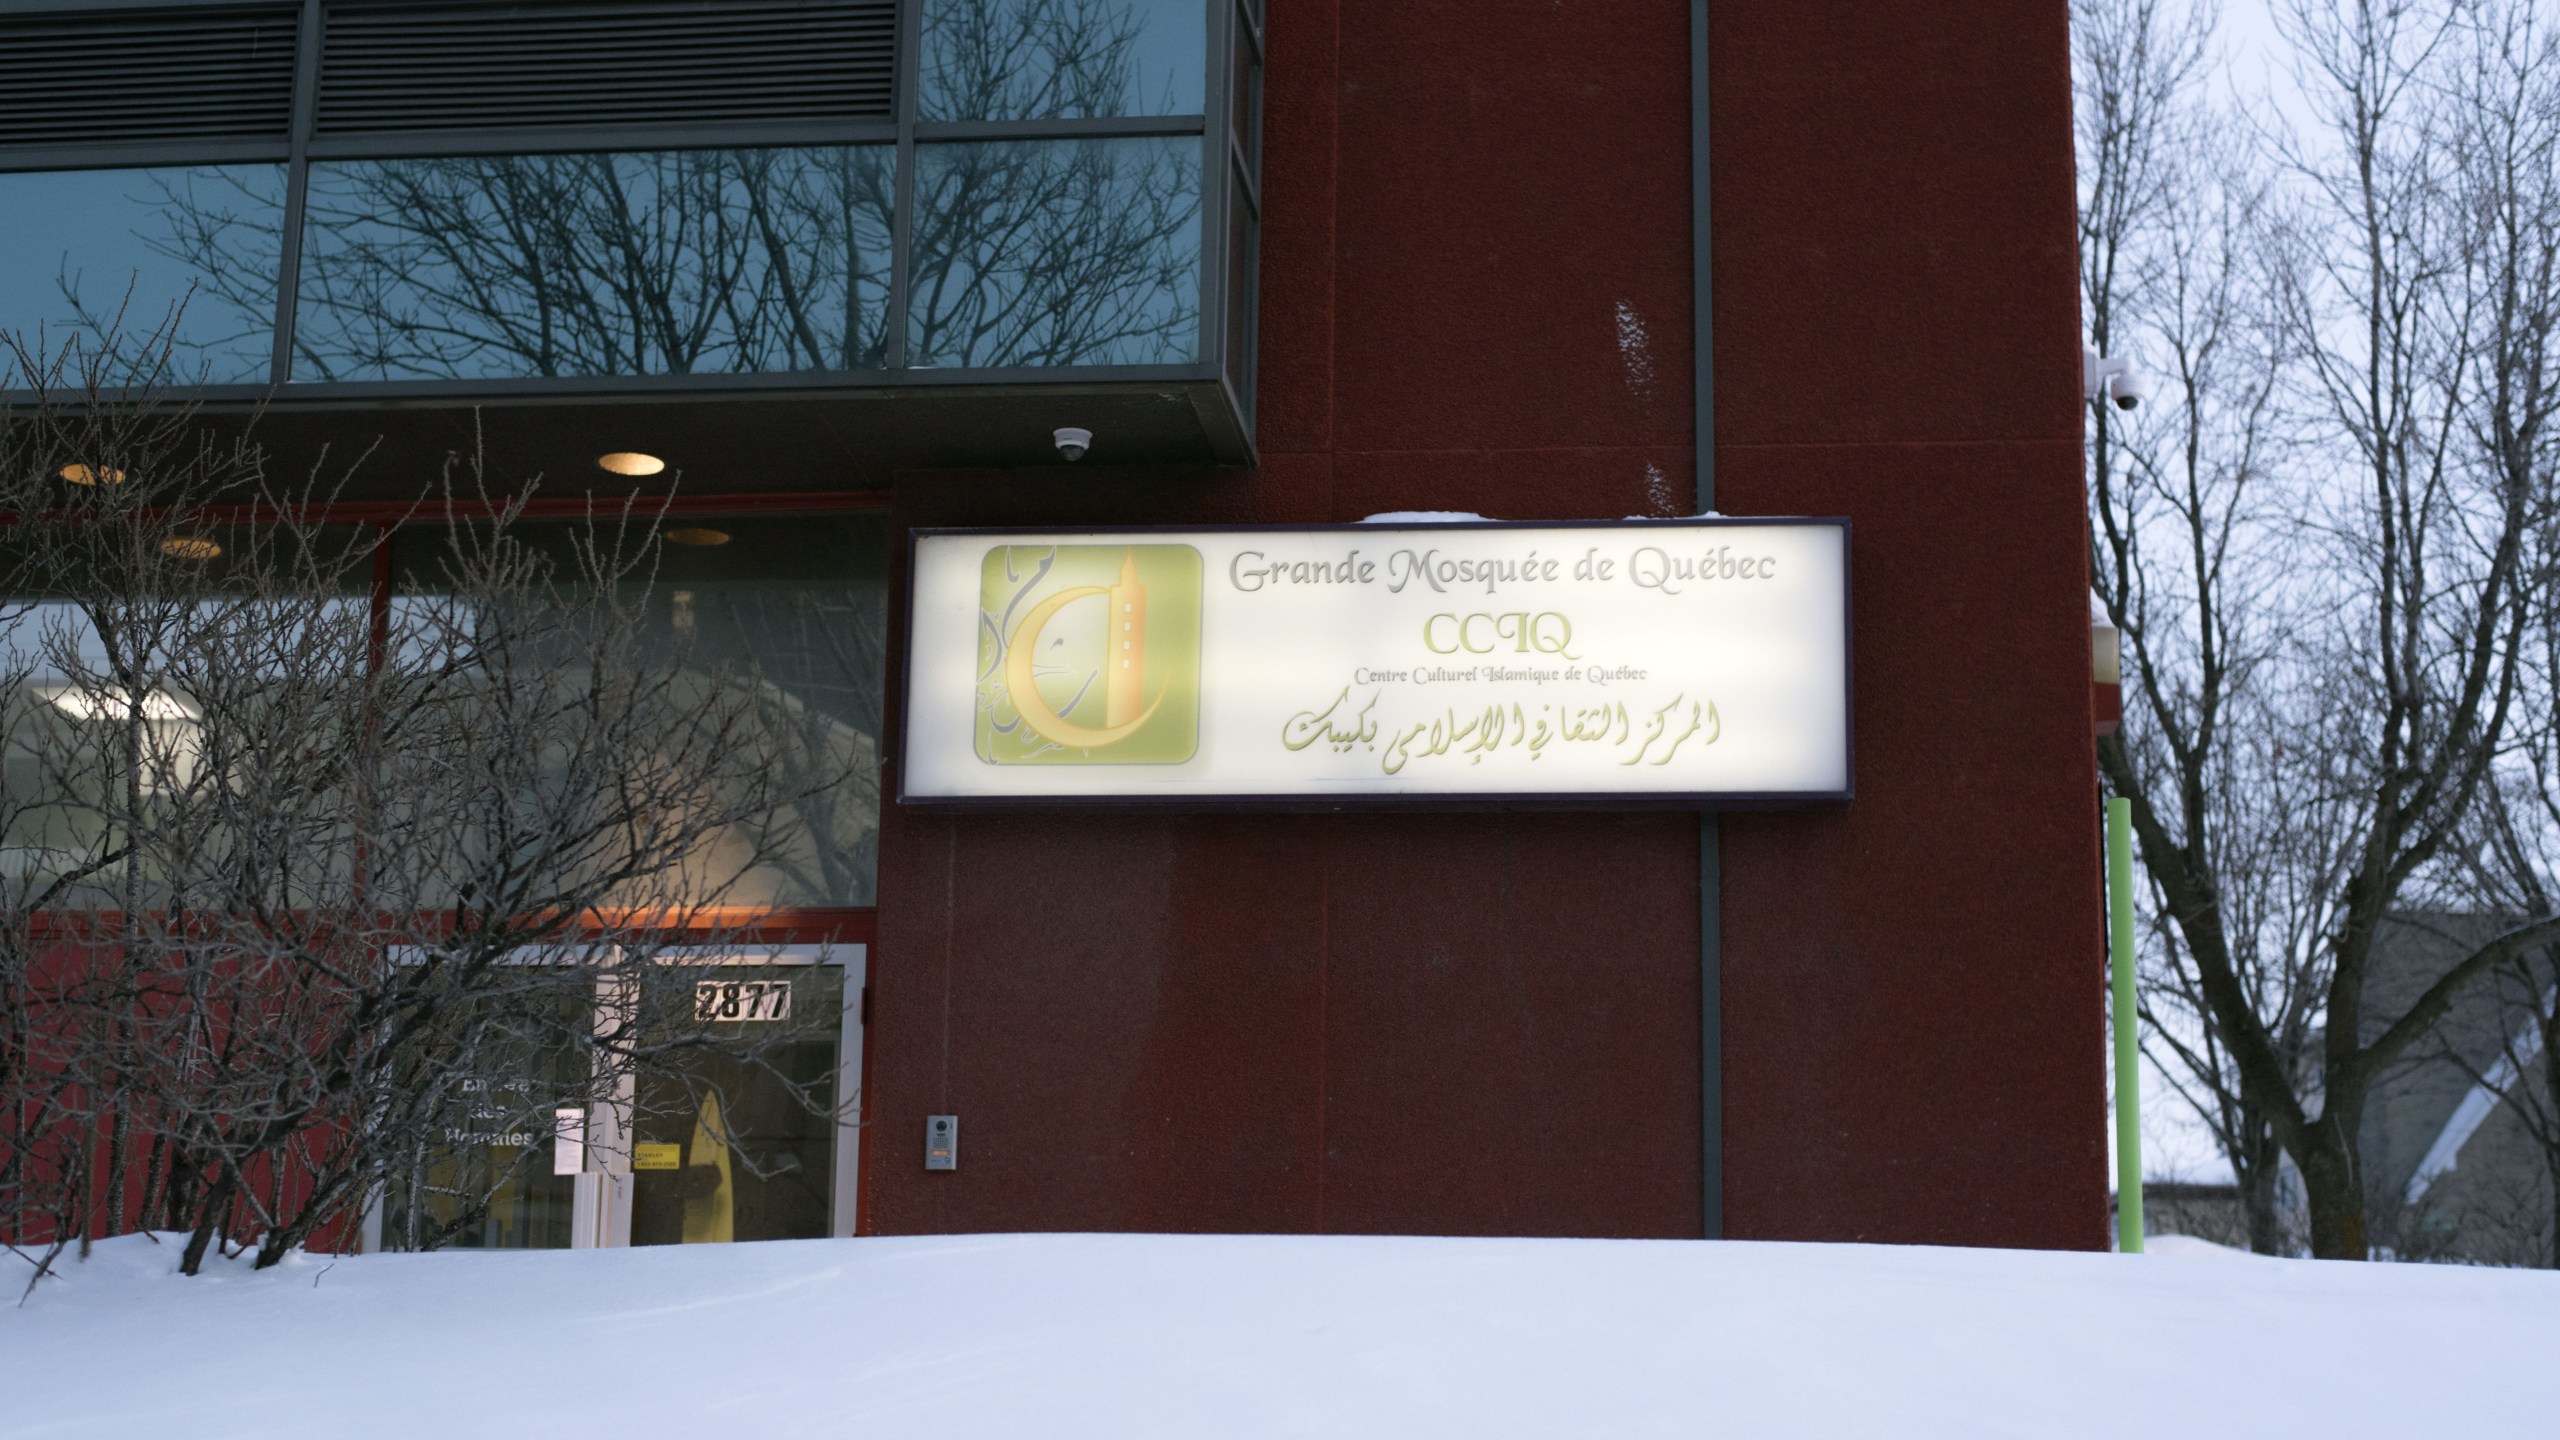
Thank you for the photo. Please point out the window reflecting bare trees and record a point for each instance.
(1025, 250)
(1060, 59)
(1073, 252)
(186, 254)
(1076, 252)
(678, 263)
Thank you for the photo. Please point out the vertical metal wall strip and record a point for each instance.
(297, 171)
(1710, 831)
(902, 186)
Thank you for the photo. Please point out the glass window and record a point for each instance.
(1033, 243)
(797, 608)
(737, 1140)
(1061, 59)
(188, 256)
(485, 1181)
(1056, 252)
(672, 263)
(483, 1190)
(794, 612)
(128, 691)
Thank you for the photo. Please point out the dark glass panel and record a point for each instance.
(1061, 59)
(1056, 252)
(488, 1183)
(795, 610)
(188, 256)
(520, 1204)
(738, 1142)
(673, 263)
(221, 634)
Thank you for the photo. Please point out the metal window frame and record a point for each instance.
(10, 8)
(1241, 172)
(1702, 253)
(1216, 32)
(1224, 167)
(297, 182)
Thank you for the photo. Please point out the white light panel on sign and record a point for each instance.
(1666, 661)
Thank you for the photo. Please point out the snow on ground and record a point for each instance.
(1141, 1336)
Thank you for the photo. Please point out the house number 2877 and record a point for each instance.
(733, 1000)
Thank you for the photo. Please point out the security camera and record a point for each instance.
(2111, 377)
(1072, 442)
(2127, 388)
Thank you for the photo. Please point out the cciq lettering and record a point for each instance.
(1647, 567)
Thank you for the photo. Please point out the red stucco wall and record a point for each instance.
(1476, 296)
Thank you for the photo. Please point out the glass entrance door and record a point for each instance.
(751, 1138)
(748, 1135)
(739, 1142)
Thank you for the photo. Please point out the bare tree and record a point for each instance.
(308, 894)
(2516, 868)
(2318, 716)
(2188, 517)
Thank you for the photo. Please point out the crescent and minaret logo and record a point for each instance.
(1088, 655)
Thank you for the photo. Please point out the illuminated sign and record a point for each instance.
(1689, 661)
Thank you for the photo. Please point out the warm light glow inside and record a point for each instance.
(702, 536)
(91, 474)
(630, 462)
(190, 547)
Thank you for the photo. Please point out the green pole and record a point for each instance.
(2128, 1043)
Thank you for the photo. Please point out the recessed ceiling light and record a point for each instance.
(630, 462)
(91, 474)
(702, 536)
(189, 547)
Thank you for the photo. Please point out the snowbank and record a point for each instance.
(1175, 1336)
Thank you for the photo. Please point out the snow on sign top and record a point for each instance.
(1700, 661)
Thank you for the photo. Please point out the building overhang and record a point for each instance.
(747, 435)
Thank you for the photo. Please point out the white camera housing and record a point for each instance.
(2111, 377)
(1072, 442)
(2128, 388)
